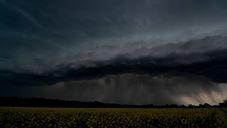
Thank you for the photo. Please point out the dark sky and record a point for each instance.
(115, 51)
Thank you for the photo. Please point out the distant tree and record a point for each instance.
(206, 105)
(191, 106)
(224, 104)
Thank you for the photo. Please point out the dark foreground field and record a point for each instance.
(112, 118)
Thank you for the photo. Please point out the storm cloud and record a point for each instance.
(41, 35)
(78, 43)
(130, 89)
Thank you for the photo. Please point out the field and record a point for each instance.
(112, 118)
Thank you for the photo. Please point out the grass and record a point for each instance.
(112, 118)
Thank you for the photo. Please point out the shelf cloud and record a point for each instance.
(160, 48)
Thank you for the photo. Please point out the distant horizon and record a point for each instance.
(13, 98)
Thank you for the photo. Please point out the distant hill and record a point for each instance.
(43, 102)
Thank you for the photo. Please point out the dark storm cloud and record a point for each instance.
(130, 89)
(144, 89)
(50, 42)
(176, 59)
(38, 36)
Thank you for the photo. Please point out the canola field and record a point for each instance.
(112, 118)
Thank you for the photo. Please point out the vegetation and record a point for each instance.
(42, 102)
(112, 118)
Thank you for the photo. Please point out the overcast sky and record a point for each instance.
(173, 50)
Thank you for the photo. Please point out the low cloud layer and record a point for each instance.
(131, 89)
(180, 59)
(123, 51)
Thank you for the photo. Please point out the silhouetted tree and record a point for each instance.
(224, 104)
(206, 105)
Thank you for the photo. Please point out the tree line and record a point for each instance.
(43, 102)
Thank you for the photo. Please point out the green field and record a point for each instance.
(112, 118)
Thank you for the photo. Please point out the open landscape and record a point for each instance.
(113, 63)
(19, 117)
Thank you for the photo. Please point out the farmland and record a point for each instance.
(112, 118)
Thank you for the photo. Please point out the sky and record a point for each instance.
(115, 51)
